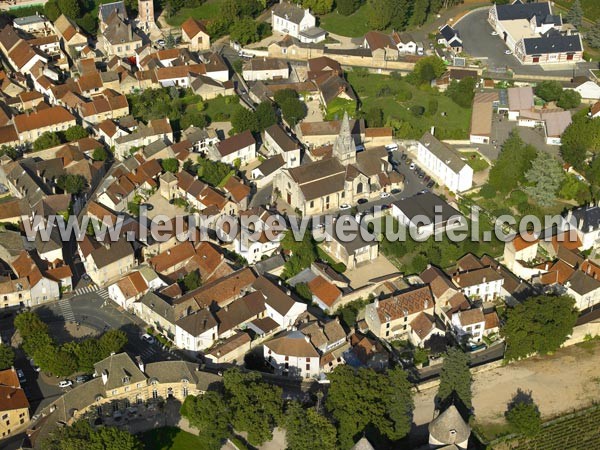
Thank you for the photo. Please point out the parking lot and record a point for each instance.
(478, 42)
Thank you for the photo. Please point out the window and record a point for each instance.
(307, 367)
(307, 360)
(287, 358)
(185, 391)
(154, 394)
(312, 203)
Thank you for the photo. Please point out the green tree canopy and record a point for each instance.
(455, 377)
(191, 281)
(292, 109)
(428, 69)
(170, 165)
(100, 154)
(303, 253)
(244, 31)
(569, 99)
(374, 117)
(366, 398)
(7, 356)
(211, 415)
(51, 10)
(575, 14)
(549, 90)
(581, 136)
(539, 325)
(244, 119)
(593, 35)
(212, 172)
(73, 184)
(75, 133)
(70, 8)
(545, 178)
(347, 7)
(381, 13)
(265, 115)
(523, 414)
(419, 12)
(81, 435)
(462, 92)
(515, 159)
(46, 140)
(306, 429)
(256, 406)
(318, 7)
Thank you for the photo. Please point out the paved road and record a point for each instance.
(479, 43)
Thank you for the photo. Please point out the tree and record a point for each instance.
(46, 140)
(374, 117)
(81, 435)
(515, 159)
(7, 356)
(581, 135)
(170, 41)
(110, 342)
(347, 7)
(72, 184)
(70, 8)
(593, 35)
(212, 172)
(381, 13)
(546, 176)
(265, 115)
(419, 14)
(191, 281)
(100, 154)
(318, 7)
(244, 119)
(569, 99)
(244, 31)
(170, 165)
(51, 10)
(303, 253)
(400, 14)
(462, 92)
(87, 353)
(11, 152)
(255, 405)
(429, 68)
(75, 133)
(523, 415)
(549, 91)
(211, 415)
(306, 429)
(575, 14)
(455, 377)
(193, 116)
(366, 398)
(539, 325)
(293, 111)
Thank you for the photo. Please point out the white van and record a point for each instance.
(391, 147)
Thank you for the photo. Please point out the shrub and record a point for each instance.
(417, 110)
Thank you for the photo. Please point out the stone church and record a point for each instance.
(342, 178)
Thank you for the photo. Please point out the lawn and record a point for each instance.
(591, 8)
(221, 108)
(170, 438)
(474, 159)
(208, 10)
(336, 108)
(396, 96)
(355, 25)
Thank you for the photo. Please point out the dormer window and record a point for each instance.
(125, 380)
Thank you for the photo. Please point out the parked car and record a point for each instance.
(494, 33)
(396, 191)
(420, 52)
(345, 206)
(161, 42)
(82, 378)
(426, 179)
(361, 201)
(384, 195)
(32, 363)
(391, 147)
(403, 156)
(431, 184)
(148, 338)
(65, 383)
(148, 206)
(86, 277)
(421, 174)
(412, 166)
(507, 52)
(21, 376)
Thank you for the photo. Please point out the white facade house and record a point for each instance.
(240, 147)
(485, 283)
(261, 69)
(444, 164)
(278, 142)
(279, 305)
(586, 219)
(585, 289)
(196, 331)
(293, 355)
(289, 18)
(470, 323)
(254, 244)
(589, 91)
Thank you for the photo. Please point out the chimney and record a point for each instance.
(484, 279)
(104, 376)
(306, 338)
(432, 130)
(140, 363)
(581, 224)
(376, 303)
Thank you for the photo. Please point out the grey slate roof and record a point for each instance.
(588, 216)
(120, 369)
(289, 11)
(552, 44)
(108, 8)
(522, 11)
(450, 420)
(425, 204)
(445, 153)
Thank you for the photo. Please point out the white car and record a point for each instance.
(412, 166)
(161, 42)
(391, 147)
(147, 338)
(507, 52)
(345, 206)
(384, 195)
(494, 33)
(65, 383)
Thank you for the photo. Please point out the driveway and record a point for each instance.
(478, 42)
